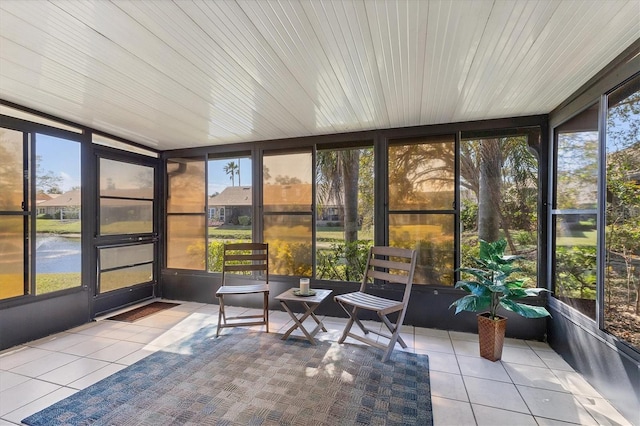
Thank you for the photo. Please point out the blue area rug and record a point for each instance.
(247, 378)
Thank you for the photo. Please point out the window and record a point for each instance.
(622, 228)
(499, 193)
(12, 214)
(126, 198)
(422, 204)
(186, 213)
(344, 212)
(58, 260)
(574, 211)
(287, 202)
(124, 265)
(40, 225)
(230, 204)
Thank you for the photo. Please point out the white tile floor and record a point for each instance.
(531, 385)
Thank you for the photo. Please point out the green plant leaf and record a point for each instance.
(482, 276)
(513, 284)
(472, 303)
(526, 311)
(474, 288)
(516, 293)
(534, 291)
(493, 287)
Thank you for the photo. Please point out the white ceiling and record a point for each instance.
(174, 74)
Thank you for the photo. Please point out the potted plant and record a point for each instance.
(490, 288)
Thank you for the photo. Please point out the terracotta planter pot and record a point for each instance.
(491, 336)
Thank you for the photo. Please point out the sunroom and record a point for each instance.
(136, 138)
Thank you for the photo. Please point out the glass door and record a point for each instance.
(126, 242)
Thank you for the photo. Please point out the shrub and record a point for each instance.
(215, 253)
(576, 272)
(244, 220)
(525, 238)
(343, 261)
(469, 215)
(288, 258)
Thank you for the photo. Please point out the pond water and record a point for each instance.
(55, 254)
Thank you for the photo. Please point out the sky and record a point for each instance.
(60, 156)
(219, 180)
(292, 165)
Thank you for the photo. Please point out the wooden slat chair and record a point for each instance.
(393, 265)
(244, 259)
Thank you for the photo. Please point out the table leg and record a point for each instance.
(298, 321)
(315, 318)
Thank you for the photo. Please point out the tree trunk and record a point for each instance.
(506, 227)
(489, 193)
(350, 172)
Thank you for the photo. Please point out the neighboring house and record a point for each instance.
(126, 204)
(115, 205)
(299, 197)
(42, 197)
(235, 201)
(287, 197)
(230, 204)
(61, 206)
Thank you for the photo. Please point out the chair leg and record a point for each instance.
(387, 353)
(221, 315)
(347, 328)
(394, 329)
(265, 310)
(395, 336)
(364, 329)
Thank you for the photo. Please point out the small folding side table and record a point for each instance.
(310, 304)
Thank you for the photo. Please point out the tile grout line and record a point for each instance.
(413, 333)
(464, 383)
(549, 390)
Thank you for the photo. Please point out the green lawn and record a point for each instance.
(231, 232)
(588, 238)
(324, 233)
(47, 283)
(12, 285)
(228, 232)
(54, 226)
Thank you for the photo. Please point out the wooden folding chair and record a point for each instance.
(244, 259)
(393, 265)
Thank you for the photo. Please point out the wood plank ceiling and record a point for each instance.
(175, 74)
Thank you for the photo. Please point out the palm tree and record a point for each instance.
(338, 173)
(484, 166)
(338, 184)
(489, 189)
(232, 169)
